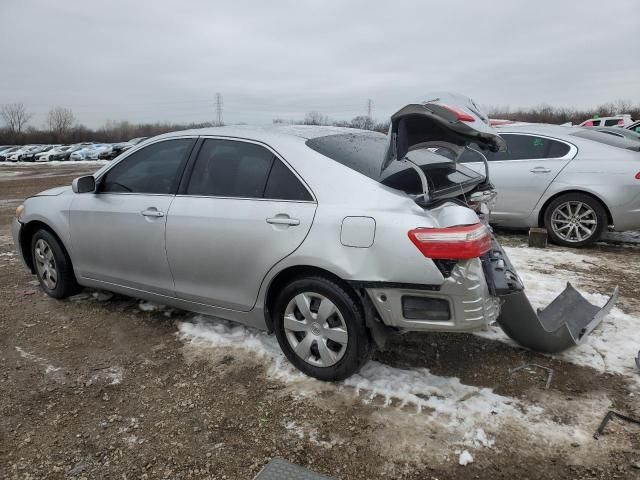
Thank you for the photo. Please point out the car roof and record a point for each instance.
(267, 134)
(539, 128)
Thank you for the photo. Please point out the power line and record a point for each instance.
(219, 108)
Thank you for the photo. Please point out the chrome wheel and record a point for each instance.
(574, 221)
(45, 264)
(315, 329)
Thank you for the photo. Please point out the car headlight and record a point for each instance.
(19, 211)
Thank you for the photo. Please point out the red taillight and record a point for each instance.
(460, 115)
(455, 243)
(638, 176)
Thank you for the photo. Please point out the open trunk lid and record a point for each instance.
(445, 117)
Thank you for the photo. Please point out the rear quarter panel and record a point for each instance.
(608, 173)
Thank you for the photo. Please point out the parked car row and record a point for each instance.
(76, 152)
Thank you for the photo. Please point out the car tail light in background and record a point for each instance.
(455, 243)
(461, 116)
(638, 176)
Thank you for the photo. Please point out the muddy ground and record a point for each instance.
(97, 388)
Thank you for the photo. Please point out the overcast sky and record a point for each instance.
(165, 60)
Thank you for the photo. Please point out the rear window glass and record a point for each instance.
(612, 122)
(611, 140)
(362, 152)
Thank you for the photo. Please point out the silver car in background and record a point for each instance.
(332, 238)
(576, 182)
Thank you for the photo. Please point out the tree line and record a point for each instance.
(560, 115)
(61, 125)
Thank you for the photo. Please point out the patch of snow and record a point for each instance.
(441, 395)
(7, 254)
(39, 360)
(465, 458)
(79, 297)
(110, 375)
(147, 306)
(102, 296)
(612, 346)
(312, 435)
(631, 237)
(478, 438)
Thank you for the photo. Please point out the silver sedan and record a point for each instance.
(575, 182)
(334, 239)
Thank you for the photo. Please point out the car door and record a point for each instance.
(522, 173)
(239, 211)
(117, 233)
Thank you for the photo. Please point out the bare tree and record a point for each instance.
(60, 121)
(362, 121)
(15, 116)
(315, 118)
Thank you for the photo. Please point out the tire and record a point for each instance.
(575, 220)
(49, 258)
(321, 357)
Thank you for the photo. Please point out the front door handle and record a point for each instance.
(540, 170)
(152, 212)
(283, 220)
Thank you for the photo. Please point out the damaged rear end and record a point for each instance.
(424, 142)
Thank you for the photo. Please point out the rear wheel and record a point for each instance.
(321, 329)
(53, 266)
(575, 220)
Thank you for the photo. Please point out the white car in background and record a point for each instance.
(615, 121)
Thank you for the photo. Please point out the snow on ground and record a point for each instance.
(414, 400)
(613, 345)
(630, 237)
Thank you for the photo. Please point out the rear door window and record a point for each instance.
(530, 147)
(612, 122)
(284, 185)
(229, 168)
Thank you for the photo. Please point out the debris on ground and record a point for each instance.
(608, 417)
(535, 365)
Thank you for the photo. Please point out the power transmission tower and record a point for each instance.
(369, 107)
(219, 108)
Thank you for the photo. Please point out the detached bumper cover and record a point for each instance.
(567, 321)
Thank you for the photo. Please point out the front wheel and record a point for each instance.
(575, 220)
(53, 266)
(321, 329)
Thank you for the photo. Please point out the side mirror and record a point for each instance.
(84, 184)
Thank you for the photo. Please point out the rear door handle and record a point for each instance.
(540, 170)
(152, 212)
(283, 220)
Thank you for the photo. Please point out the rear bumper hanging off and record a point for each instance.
(567, 321)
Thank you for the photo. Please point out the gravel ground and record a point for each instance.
(100, 387)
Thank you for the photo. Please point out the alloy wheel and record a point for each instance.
(574, 221)
(46, 264)
(315, 329)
